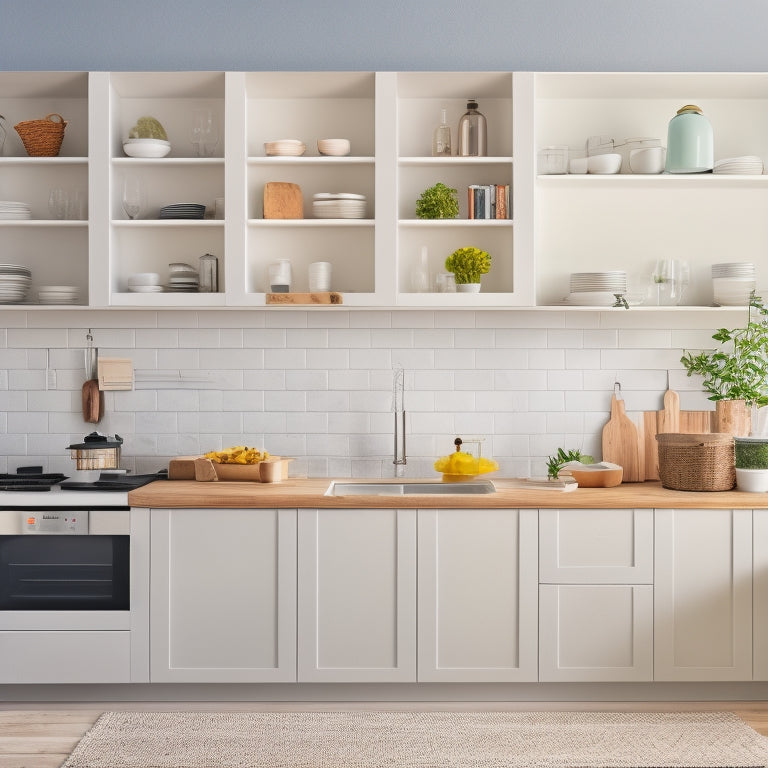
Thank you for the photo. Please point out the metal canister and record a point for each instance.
(208, 274)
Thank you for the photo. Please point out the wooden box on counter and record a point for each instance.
(204, 470)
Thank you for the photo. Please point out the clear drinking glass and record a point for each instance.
(133, 197)
(57, 203)
(204, 132)
(670, 278)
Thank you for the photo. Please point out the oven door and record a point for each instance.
(64, 573)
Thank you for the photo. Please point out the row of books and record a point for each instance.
(489, 201)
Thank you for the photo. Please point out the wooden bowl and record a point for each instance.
(597, 478)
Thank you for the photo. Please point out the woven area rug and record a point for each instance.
(365, 739)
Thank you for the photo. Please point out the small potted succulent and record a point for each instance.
(438, 202)
(467, 265)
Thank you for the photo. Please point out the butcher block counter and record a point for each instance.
(303, 493)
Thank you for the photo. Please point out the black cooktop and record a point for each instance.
(34, 479)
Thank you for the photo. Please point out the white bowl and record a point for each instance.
(144, 278)
(146, 147)
(752, 480)
(334, 147)
(608, 163)
(578, 165)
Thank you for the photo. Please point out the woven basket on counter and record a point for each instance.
(696, 462)
(42, 138)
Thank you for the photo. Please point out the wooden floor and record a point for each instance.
(42, 736)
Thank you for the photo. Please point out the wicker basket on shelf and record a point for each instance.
(696, 462)
(42, 138)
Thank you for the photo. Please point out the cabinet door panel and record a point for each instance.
(357, 595)
(595, 633)
(703, 594)
(477, 595)
(760, 596)
(596, 546)
(223, 595)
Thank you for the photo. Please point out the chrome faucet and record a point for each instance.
(398, 408)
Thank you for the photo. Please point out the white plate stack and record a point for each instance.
(733, 283)
(145, 282)
(338, 205)
(15, 280)
(284, 148)
(597, 289)
(183, 278)
(58, 294)
(12, 210)
(749, 164)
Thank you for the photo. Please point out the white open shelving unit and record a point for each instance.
(559, 224)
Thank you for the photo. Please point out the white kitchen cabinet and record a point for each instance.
(595, 633)
(596, 595)
(55, 249)
(703, 594)
(477, 604)
(223, 595)
(760, 593)
(596, 546)
(357, 595)
(590, 222)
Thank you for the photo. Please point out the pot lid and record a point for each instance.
(96, 440)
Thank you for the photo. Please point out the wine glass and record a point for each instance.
(133, 197)
(204, 132)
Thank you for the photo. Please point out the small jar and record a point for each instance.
(208, 274)
(280, 276)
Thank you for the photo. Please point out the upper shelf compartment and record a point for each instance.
(173, 99)
(309, 106)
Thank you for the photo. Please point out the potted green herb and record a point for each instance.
(735, 375)
(438, 202)
(467, 265)
(751, 458)
(555, 463)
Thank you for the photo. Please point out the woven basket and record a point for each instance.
(42, 138)
(696, 462)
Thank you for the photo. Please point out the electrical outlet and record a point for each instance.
(50, 382)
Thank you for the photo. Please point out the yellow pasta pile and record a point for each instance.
(238, 454)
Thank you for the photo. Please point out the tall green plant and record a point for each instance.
(739, 370)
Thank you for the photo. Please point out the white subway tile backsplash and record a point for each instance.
(317, 384)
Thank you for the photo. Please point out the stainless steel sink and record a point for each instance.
(376, 488)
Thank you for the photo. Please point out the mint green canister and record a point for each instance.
(690, 144)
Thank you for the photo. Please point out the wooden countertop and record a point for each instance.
(296, 493)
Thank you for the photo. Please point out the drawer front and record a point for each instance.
(596, 546)
(65, 657)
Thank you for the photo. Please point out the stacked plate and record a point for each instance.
(733, 283)
(338, 205)
(183, 278)
(15, 280)
(58, 294)
(12, 210)
(183, 211)
(596, 288)
(284, 148)
(749, 164)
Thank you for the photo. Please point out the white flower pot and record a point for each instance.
(468, 287)
(752, 480)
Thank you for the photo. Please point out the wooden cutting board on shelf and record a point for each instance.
(621, 442)
(696, 422)
(283, 200)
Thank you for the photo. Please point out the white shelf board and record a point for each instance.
(43, 161)
(168, 161)
(455, 160)
(434, 223)
(311, 160)
(43, 223)
(289, 223)
(167, 223)
(161, 300)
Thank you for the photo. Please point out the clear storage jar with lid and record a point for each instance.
(690, 142)
(473, 132)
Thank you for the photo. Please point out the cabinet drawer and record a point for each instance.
(596, 546)
(65, 657)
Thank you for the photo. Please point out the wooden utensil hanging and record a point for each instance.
(92, 397)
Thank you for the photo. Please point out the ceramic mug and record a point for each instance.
(647, 160)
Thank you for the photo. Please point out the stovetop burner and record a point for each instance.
(34, 479)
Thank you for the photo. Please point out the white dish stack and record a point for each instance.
(58, 294)
(14, 210)
(183, 278)
(733, 283)
(15, 280)
(284, 148)
(596, 289)
(749, 164)
(338, 205)
(144, 282)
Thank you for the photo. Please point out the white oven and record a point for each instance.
(73, 589)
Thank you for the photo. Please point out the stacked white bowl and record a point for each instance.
(284, 148)
(733, 283)
(145, 282)
(333, 147)
(338, 205)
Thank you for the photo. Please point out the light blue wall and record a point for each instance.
(643, 35)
